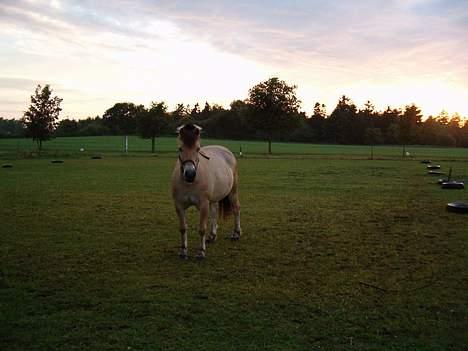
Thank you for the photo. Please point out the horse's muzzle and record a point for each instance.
(189, 175)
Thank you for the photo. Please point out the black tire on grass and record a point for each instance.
(453, 185)
(458, 206)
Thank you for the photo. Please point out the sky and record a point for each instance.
(97, 53)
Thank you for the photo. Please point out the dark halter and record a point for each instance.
(194, 162)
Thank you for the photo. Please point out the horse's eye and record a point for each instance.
(180, 149)
(198, 149)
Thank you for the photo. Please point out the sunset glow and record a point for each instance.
(95, 54)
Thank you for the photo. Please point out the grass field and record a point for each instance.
(336, 254)
(12, 148)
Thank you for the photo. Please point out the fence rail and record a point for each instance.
(116, 144)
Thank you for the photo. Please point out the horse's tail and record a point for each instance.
(225, 207)
(228, 204)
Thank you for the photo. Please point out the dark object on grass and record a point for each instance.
(458, 206)
(7, 165)
(448, 179)
(426, 161)
(435, 173)
(56, 161)
(453, 184)
(96, 157)
(433, 167)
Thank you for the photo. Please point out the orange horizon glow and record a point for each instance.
(96, 56)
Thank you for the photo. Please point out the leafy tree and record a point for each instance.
(67, 127)
(206, 112)
(316, 122)
(121, 118)
(372, 137)
(340, 127)
(151, 122)
(40, 119)
(410, 121)
(93, 126)
(392, 133)
(195, 112)
(274, 108)
(180, 113)
(442, 117)
(464, 134)
(388, 121)
(368, 113)
(320, 110)
(11, 128)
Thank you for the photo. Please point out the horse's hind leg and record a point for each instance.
(234, 200)
(183, 231)
(204, 210)
(214, 222)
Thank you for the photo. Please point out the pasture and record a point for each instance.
(70, 147)
(336, 254)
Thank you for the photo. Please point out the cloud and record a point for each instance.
(16, 83)
(138, 48)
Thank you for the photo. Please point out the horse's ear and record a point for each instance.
(198, 129)
(179, 128)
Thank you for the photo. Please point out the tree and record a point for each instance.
(410, 122)
(195, 112)
(11, 128)
(373, 136)
(274, 108)
(180, 113)
(206, 112)
(151, 122)
(40, 119)
(392, 134)
(316, 122)
(340, 126)
(442, 117)
(121, 118)
(389, 122)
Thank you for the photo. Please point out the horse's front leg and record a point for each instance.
(204, 210)
(183, 231)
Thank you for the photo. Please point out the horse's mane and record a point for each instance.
(189, 135)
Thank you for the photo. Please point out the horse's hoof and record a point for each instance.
(183, 254)
(235, 236)
(200, 256)
(211, 239)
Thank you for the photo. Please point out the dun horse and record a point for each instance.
(206, 178)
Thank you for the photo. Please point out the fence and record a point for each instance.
(168, 145)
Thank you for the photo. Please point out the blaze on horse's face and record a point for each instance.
(189, 136)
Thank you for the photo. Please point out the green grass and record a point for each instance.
(11, 148)
(335, 255)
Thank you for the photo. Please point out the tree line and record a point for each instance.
(271, 111)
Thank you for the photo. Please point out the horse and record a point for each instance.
(207, 178)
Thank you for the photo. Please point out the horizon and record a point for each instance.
(392, 53)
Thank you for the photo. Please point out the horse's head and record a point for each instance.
(189, 140)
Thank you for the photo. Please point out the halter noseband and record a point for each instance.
(195, 163)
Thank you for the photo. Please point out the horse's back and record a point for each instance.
(218, 151)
